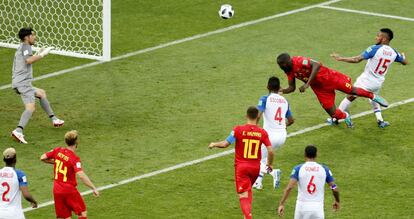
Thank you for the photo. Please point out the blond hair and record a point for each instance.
(71, 138)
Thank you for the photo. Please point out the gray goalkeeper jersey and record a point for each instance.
(22, 72)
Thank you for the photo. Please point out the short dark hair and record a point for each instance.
(252, 112)
(310, 151)
(284, 57)
(25, 31)
(273, 84)
(389, 33)
(10, 161)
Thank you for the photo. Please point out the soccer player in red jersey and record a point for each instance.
(323, 81)
(66, 166)
(248, 138)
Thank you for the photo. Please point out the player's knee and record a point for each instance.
(30, 107)
(40, 93)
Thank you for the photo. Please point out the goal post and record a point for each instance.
(78, 28)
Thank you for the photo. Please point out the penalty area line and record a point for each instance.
(210, 157)
(175, 42)
(367, 13)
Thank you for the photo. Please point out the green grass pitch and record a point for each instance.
(162, 108)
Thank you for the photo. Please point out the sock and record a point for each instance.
(345, 104)
(246, 206)
(24, 119)
(19, 129)
(259, 179)
(46, 107)
(339, 114)
(363, 93)
(80, 217)
(377, 110)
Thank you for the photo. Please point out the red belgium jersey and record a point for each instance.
(67, 164)
(249, 139)
(302, 70)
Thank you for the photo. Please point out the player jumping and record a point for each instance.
(323, 81)
(380, 57)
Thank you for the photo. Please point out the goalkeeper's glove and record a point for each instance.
(44, 51)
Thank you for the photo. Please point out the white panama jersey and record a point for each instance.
(380, 57)
(275, 110)
(10, 194)
(311, 178)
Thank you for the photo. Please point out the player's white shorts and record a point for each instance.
(368, 83)
(309, 210)
(277, 139)
(11, 213)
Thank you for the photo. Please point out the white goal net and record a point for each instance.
(79, 28)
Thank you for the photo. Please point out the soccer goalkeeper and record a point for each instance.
(22, 82)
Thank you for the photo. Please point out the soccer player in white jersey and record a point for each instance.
(380, 56)
(13, 183)
(22, 82)
(311, 177)
(276, 113)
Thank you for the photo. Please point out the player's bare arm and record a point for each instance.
(270, 157)
(353, 59)
(85, 179)
(220, 144)
(289, 121)
(291, 88)
(335, 193)
(28, 196)
(286, 192)
(404, 62)
(315, 69)
(45, 159)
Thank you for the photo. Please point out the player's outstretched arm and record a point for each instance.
(315, 69)
(38, 55)
(220, 144)
(335, 193)
(85, 179)
(286, 192)
(291, 88)
(354, 59)
(45, 159)
(28, 196)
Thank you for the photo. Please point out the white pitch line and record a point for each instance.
(367, 13)
(224, 153)
(198, 36)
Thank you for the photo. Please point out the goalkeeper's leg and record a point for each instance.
(41, 94)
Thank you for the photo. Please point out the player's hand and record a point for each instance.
(269, 169)
(281, 210)
(211, 145)
(45, 52)
(34, 204)
(335, 56)
(303, 88)
(95, 193)
(39, 51)
(336, 206)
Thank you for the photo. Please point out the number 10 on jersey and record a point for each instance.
(251, 148)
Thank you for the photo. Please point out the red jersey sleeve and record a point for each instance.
(52, 153)
(77, 166)
(265, 139)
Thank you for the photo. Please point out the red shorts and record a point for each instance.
(65, 203)
(325, 91)
(246, 174)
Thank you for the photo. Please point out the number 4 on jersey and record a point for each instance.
(278, 115)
